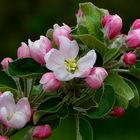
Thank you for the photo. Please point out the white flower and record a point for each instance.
(64, 63)
(14, 115)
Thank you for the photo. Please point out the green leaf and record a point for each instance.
(51, 104)
(49, 33)
(92, 43)
(4, 88)
(21, 133)
(85, 129)
(53, 120)
(122, 102)
(121, 88)
(106, 103)
(26, 68)
(110, 55)
(135, 102)
(63, 112)
(92, 19)
(135, 72)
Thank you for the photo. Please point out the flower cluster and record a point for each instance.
(78, 72)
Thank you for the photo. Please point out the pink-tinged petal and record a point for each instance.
(7, 101)
(18, 120)
(82, 73)
(68, 48)
(54, 59)
(24, 106)
(3, 115)
(62, 74)
(87, 61)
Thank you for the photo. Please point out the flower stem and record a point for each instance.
(18, 87)
(31, 87)
(120, 70)
(78, 135)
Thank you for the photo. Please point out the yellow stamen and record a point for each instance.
(71, 65)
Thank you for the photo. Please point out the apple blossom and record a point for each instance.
(96, 77)
(39, 48)
(112, 25)
(42, 131)
(65, 65)
(14, 115)
(136, 24)
(133, 38)
(129, 58)
(5, 63)
(61, 31)
(3, 138)
(49, 82)
(23, 51)
(117, 112)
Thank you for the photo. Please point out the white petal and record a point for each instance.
(55, 26)
(83, 73)
(7, 101)
(87, 61)
(68, 48)
(24, 106)
(30, 43)
(18, 120)
(54, 59)
(62, 74)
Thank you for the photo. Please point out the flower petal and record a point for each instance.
(7, 101)
(18, 120)
(68, 48)
(87, 61)
(24, 106)
(54, 58)
(62, 74)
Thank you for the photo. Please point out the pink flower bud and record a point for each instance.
(5, 62)
(117, 112)
(129, 58)
(79, 15)
(112, 25)
(39, 48)
(133, 38)
(136, 24)
(3, 138)
(61, 31)
(23, 51)
(49, 82)
(96, 77)
(42, 131)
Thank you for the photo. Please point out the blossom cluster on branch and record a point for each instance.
(90, 71)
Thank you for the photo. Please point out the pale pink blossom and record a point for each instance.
(5, 63)
(96, 77)
(64, 62)
(14, 115)
(136, 24)
(39, 48)
(42, 131)
(61, 31)
(129, 58)
(133, 39)
(49, 82)
(112, 25)
(23, 51)
(3, 138)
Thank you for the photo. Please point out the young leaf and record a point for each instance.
(106, 103)
(26, 68)
(92, 43)
(63, 112)
(120, 87)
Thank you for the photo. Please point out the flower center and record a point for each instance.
(71, 65)
(10, 115)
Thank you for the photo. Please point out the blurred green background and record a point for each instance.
(23, 19)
